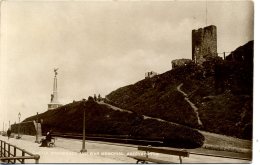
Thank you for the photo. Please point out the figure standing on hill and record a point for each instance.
(9, 133)
(95, 97)
(99, 98)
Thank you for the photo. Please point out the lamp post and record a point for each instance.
(84, 128)
(19, 116)
(37, 141)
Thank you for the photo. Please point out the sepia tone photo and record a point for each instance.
(120, 81)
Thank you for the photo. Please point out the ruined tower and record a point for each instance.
(54, 96)
(204, 43)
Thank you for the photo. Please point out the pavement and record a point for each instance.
(68, 151)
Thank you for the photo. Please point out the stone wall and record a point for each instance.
(180, 62)
(27, 128)
(204, 43)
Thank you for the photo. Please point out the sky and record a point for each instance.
(100, 46)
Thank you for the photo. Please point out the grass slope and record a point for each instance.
(221, 89)
(101, 119)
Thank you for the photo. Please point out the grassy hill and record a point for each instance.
(221, 89)
(103, 120)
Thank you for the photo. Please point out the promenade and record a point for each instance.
(68, 151)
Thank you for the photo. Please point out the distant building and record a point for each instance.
(54, 96)
(150, 74)
(180, 62)
(204, 43)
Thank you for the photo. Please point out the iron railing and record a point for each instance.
(12, 154)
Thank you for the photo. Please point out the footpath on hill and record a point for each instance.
(212, 141)
(68, 151)
(215, 141)
(124, 110)
(195, 109)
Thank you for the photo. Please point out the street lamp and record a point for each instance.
(19, 116)
(37, 141)
(84, 128)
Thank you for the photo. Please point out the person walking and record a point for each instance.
(9, 133)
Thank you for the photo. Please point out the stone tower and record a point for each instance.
(54, 96)
(204, 43)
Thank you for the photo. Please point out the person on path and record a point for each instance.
(9, 133)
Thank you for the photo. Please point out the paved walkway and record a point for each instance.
(68, 151)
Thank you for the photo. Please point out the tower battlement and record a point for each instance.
(204, 43)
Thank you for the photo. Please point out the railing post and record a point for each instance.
(1, 149)
(4, 149)
(23, 154)
(36, 157)
(14, 155)
(9, 152)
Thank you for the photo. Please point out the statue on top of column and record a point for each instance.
(55, 71)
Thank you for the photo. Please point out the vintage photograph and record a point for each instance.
(121, 81)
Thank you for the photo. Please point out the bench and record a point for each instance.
(144, 159)
(48, 143)
(52, 142)
(18, 137)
